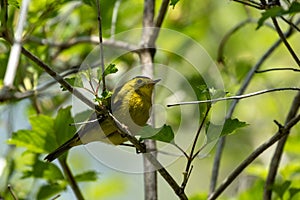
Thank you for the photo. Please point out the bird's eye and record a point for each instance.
(139, 81)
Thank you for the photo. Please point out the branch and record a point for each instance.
(71, 179)
(58, 78)
(278, 69)
(192, 156)
(251, 4)
(11, 191)
(221, 143)
(101, 47)
(87, 39)
(283, 38)
(227, 36)
(275, 161)
(283, 131)
(146, 59)
(152, 159)
(114, 19)
(14, 56)
(238, 97)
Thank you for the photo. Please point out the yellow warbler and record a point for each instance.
(130, 104)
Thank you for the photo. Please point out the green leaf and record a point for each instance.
(62, 129)
(74, 81)
(231, 125)
(14, 3)
(294, 8)
(163, 134)
(110, 69)
(47, 171)
(293, 191)
(87, 176)
(91, 3)
(272, 12)
(173, 3)
(48, 191)
(280, 189)
(40, 139)
(277, 12)
(46, 134)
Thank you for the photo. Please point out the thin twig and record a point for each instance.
(290, 23)
(238, 97)
(11, 191)
(251, 4)
(141, 148)
(58, 78)
(228, 35)
(278, 69)
(162, 13)
(258, 151)
(191, 156)
(71, 179)
(216, 164)
(221, 143)
(101, 46)
(114, 19)
(275, 161)
(283, 38)
(86, 39)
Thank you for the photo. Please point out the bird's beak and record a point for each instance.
(156, 81)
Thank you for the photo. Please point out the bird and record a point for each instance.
(130, 104)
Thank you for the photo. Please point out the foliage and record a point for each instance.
(64, 35)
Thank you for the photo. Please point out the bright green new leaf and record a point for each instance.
(46, 134)
(40, 139)
(87, 176)
(110, 69)
(163, 134)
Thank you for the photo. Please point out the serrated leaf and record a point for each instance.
(173, 3)
(48, 191)
(163, 134)
(110, 69)
(47, 171)
(39, 139)
(46, 134)
(87, 176)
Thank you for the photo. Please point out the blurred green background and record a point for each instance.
(207, 22)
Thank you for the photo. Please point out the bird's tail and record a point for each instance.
(63, 148)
